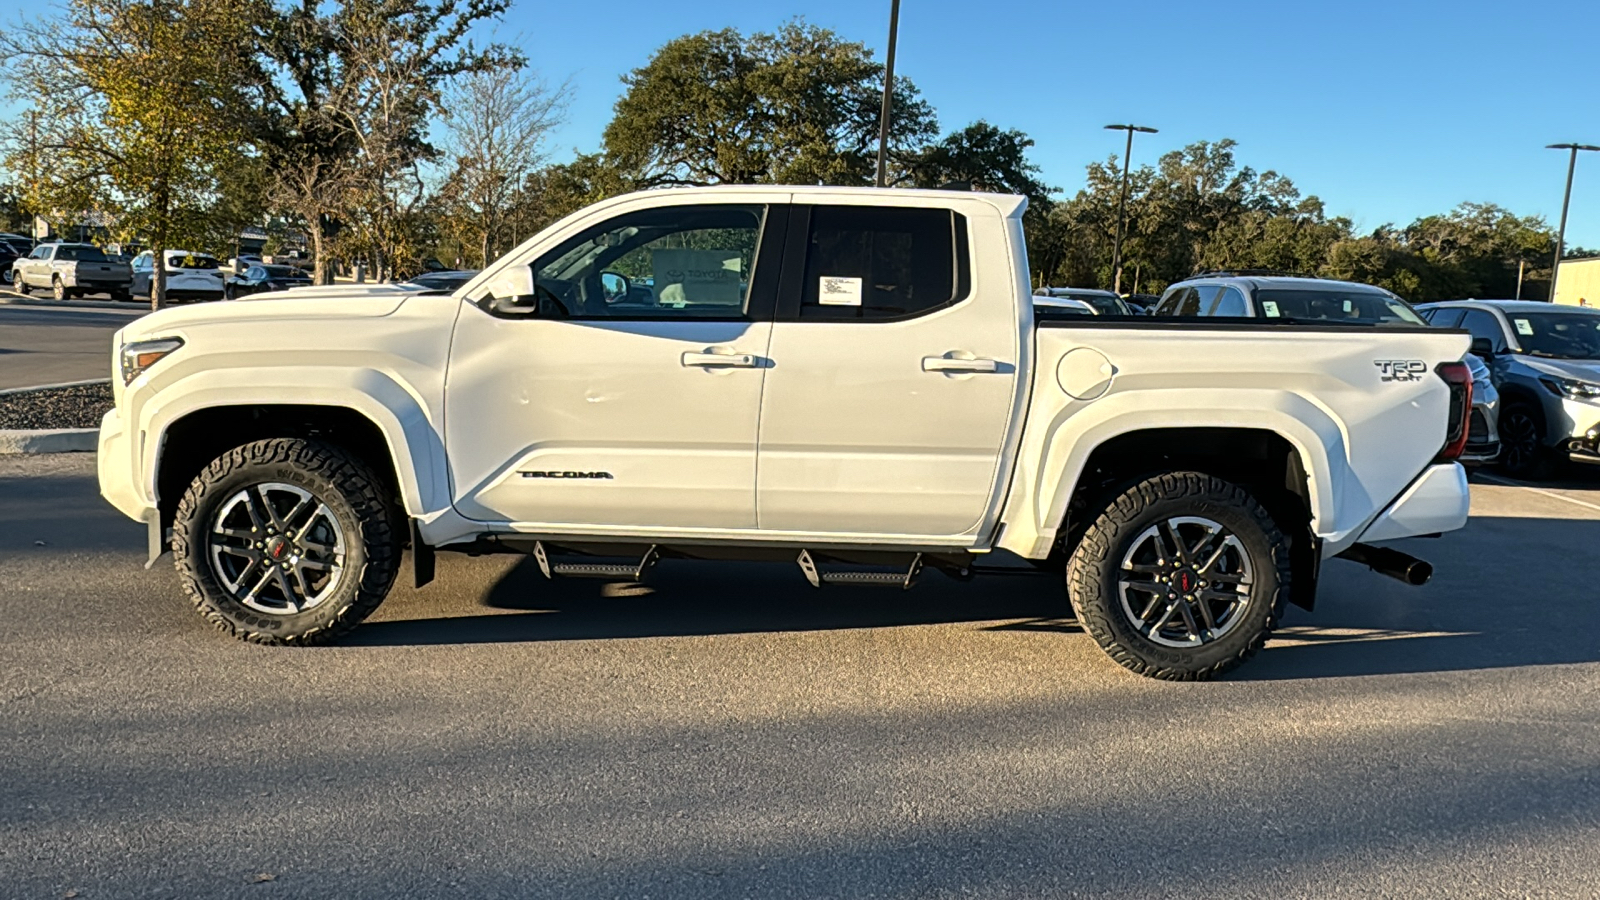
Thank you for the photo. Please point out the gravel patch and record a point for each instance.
(78, 406)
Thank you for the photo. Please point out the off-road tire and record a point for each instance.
(121, 296)
(1092, 574)
(17, 284)
(351, 491)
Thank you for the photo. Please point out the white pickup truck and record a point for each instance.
(70, 270)
(850, 380)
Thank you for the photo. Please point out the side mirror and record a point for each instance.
(512, 291)
(1482, 346)
(615, 285)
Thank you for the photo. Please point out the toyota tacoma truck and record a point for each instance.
(847, 379)
(71, 270)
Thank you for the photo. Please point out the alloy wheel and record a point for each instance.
(1185, 581)
(1519, 438)
(277, 548)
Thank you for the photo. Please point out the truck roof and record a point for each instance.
(1006, 204)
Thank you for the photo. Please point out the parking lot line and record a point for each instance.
(1492, 479)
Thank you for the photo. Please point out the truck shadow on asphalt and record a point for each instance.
(1509, 592)
(689, 598)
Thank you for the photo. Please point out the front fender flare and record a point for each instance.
(415, 446)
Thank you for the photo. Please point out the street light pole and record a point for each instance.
(1566, 199)
(1122, 203)
(888, 94)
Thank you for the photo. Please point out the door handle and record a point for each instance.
(953, 364)
(711, 360)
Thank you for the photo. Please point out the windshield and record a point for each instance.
(82, 254)
(1357, 307)
(1558, 335)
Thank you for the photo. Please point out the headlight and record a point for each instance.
(1572, 388)
(141, 355)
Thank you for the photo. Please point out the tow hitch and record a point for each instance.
(1399, 566)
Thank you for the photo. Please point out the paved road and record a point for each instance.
(736, 734)
(52, 345)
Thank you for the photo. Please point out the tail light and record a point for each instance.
(1459, 378)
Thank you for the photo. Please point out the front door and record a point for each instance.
(894, 373)
(626, 393)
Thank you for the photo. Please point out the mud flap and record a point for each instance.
(1306, 564)
(422, 558)
(157, 541)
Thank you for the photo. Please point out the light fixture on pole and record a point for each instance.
(888, 94)
(1561, 233)
(1122, 203)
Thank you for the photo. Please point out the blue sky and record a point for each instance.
(1385, 110)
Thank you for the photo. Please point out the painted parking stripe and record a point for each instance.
(1506, 482)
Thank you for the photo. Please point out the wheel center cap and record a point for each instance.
(278, 547)
(1185, 580)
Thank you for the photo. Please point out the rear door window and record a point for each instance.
(865, 263)
(1483, 324)
(1445, 317)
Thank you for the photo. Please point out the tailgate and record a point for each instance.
(1364, 406)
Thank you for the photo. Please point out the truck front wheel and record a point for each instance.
(1182, 577)
(286, 541)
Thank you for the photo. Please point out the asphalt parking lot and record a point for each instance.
(48, 343)
(735, 733)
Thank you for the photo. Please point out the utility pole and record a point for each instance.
(1521, 264)
(1122, 203)
(1561, 233)
(888, 94)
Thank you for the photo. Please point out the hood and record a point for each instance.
(1581, 369)
(308, 304)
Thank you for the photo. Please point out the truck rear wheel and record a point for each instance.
(286, 541)
(1182, 577)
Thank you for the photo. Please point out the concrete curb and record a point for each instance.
(49, 387)
(49, 440)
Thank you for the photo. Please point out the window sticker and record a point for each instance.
(1347, 306)
(1269, 308)
(838, 290)
(1523, 326)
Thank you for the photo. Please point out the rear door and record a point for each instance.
(894, 372)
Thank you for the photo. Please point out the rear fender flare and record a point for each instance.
(1041, 492)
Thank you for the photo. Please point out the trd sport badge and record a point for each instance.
(1400, 369)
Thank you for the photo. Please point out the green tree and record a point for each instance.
(139, 108)
(798, 106)
(496, 122)
(353, 90)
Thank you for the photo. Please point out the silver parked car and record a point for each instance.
(1104, 303)
(1545, 361)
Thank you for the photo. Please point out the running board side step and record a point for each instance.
(633, 571)
(819, 577)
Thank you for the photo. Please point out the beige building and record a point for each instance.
(1578, 283)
